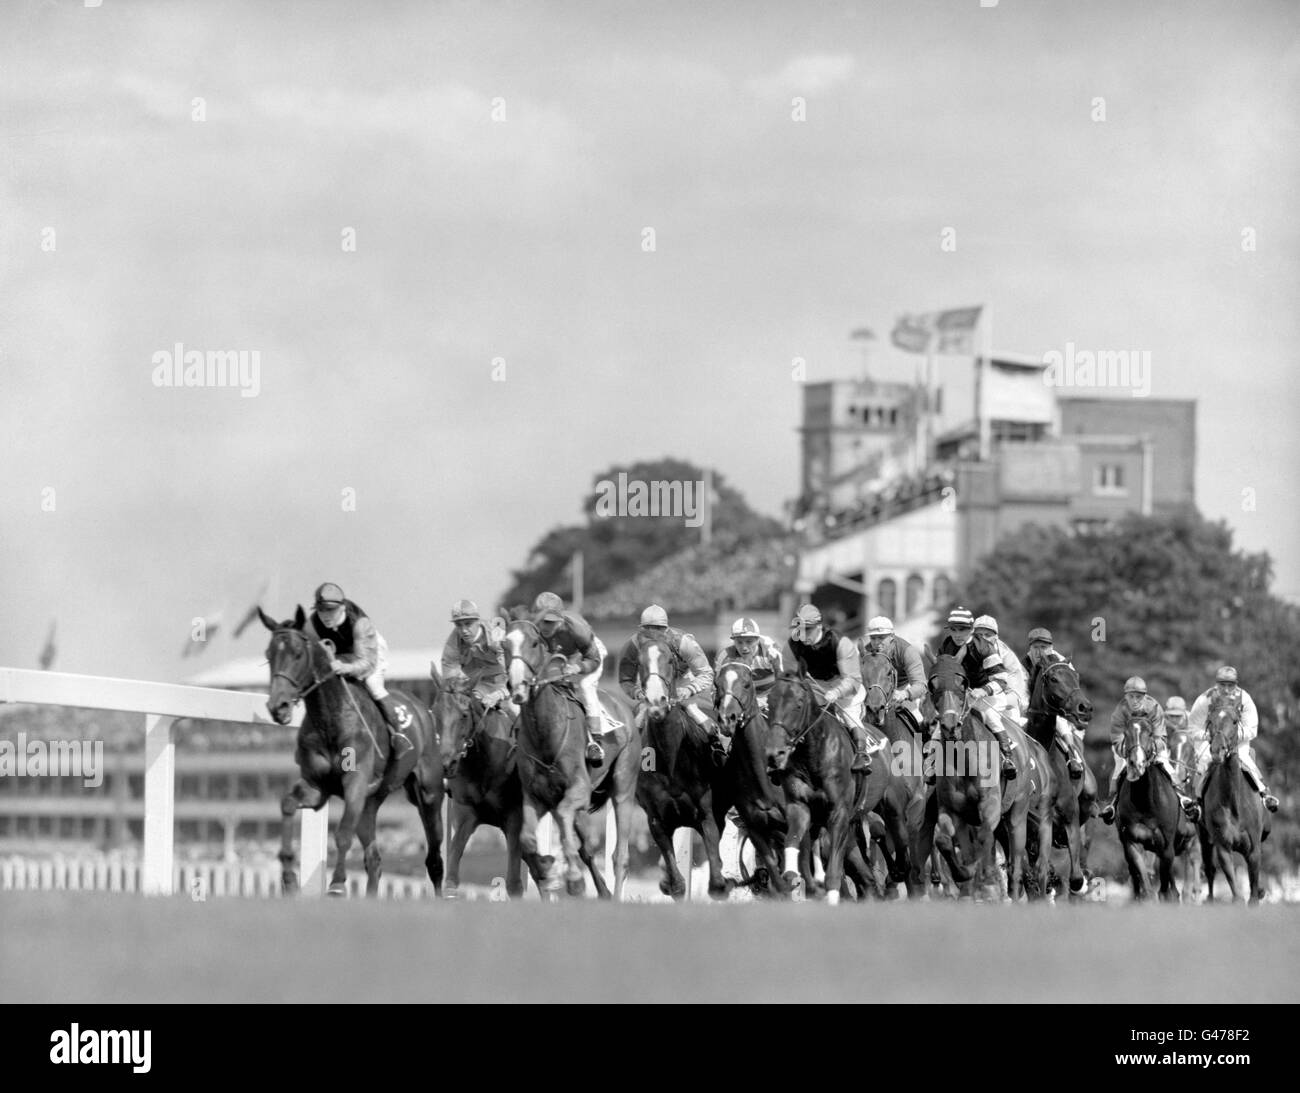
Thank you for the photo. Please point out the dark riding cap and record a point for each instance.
(329, 596)
(1040, 634)
(1226, 674)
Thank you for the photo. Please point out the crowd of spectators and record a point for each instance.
(814, 518)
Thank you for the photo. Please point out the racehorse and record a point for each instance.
(975, 799)
(479, 760)
(683, 786)
(1233, 819)
(552, 767)
(1057, 694)
(809, 754)
(1149, 814)
(759, 803)
(1182, 750)
(902, 809)
(343, 751)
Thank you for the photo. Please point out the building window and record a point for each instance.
(1108, 480)
(942, 594)
(887, 597)
(915, 590)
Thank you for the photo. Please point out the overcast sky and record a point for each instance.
(522, 239)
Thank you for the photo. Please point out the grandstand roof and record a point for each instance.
(250, 672)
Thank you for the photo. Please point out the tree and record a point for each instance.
(619, 542)
(1169, 599)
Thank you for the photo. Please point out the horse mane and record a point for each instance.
(517, 612)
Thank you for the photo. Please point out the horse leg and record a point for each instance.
(1074, 844)
(674, 884)
(838, 830)
(369, 847)
(354, 803)
(1207, 862)
(537, 865)
(719, 885)
(565, 813)
(1223, 858)
(797, 819)
(300, 796)
(1252, 871)
(586, 840)
(1168, 885)
(428, 803)
(464, 822)
(1137, 869)
(514, 822)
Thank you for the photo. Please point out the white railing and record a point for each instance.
(163, 703)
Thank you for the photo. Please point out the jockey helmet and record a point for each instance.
(987, 622)
(654, 615)
(1135, 685)
(329, 596)
(548, 606)
(744, 628)
(464, 611)
(1176, 704)
(880, 626)
(806, 616)
(1226, 674)
(959, 618)
(1040, 634)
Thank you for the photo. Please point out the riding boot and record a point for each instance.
(1006, 746)
(1074, 764)
(719, 745)
(396, 731)
(595, 753)
(861, 756)
(1270, 802)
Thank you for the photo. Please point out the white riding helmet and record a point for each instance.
(654, 615)
(986, 622)
(880, 626)
(741, 628)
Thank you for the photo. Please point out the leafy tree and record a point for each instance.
(620, 545)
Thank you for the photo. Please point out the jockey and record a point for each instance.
(360, 652)
(1225, 684)
(1137, 703)
(1015, 699)
(691, 668)
(567, 633)
(987, 677)
(909, 672)
(760, 654)
(1040, 654)
(833, 662)
(473, 658)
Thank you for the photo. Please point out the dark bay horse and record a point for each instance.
(343, 750)
(973, 797)
(1233, 818)
(479, 760)
(1057, 694)
(680, 785)
(553, 771)
(758, 801)
(1148, 814)
(902, 808)
(809, 753)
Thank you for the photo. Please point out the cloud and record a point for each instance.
(806, 74)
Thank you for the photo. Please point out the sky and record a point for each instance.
(435, 399)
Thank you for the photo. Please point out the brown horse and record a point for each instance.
(1182, 750)
(1058, 694)
(682, 786)
(1148, 814)
(902, 808)
(973, 797)
(552, 768)
(479, 760)
(1233, 819)
(809, 753)
(343, 751)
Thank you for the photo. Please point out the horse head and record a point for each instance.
(1137, 737)
(299, 664)
(529, 664)
(452, 722)
(1223, 725)
(1059, 692)
(948, 691)
(736, 696)
(880, 679)
(656, 674)
(792, 709)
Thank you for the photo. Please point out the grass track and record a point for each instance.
(84, 947)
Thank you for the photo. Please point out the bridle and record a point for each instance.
(1040, 688)
(300, 693)
(748, 708)
(535, 684)
(886, 695)
(964, 710)
(793, 742)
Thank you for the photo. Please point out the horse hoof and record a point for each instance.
(338, 889)
(795, 883)
(289, 884)
(576, 887)
(451, 893)
(832, 899)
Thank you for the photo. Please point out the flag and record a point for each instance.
(247, 620)
(948, 332)
(48, 653)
